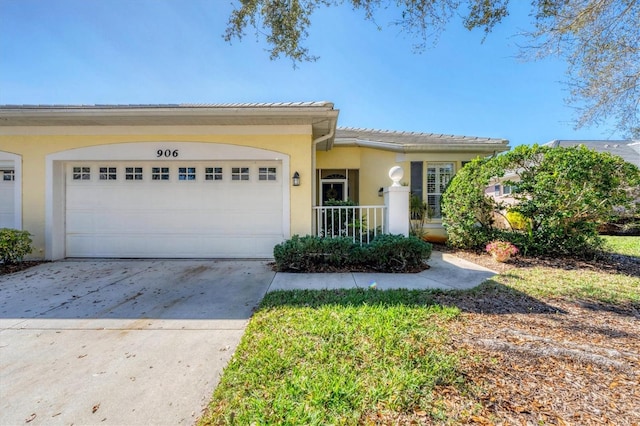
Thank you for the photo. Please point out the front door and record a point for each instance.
(333, 191)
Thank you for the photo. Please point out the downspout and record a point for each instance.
(314, 182)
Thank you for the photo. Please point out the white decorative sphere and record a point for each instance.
(396, 174)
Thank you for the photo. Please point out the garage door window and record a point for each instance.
(239, 173)
(159, 173)
(186, 173)
(8, 175)
(82, 173)
(213, 173)
(133, 173)
(267, 173)
(108, 173)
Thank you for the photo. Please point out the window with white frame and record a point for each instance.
(8, 175)
(267, 173)
(108, 173)
(506, 189)
(133, 173)
(159, 173)
(496, 190)
(82, 173)
(429, 181)
(239, 173)
(213, 173)
(186, 173)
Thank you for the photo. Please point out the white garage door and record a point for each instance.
(174, 209)
(7, 194)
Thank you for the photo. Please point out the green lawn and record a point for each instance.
(629, 246)
(347, 357)
(332, 357)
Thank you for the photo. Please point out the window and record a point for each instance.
(133, 173)
(108, 173)
(213, 173)
(159, 173)
(496, 190)
(239, 173)
(506, 190)
(437, 178)
(81, 173)
(8, 175)
(429, 181)
(267, 173)
(186, 173)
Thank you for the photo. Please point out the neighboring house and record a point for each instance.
(628, 150)
(201, 180)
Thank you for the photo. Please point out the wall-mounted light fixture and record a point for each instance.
(380, 192)
(296, 179)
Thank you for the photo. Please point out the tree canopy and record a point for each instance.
(599, 39)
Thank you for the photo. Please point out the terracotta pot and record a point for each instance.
(501, 257)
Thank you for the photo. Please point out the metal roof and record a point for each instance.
(416, 141)
(321, 116)
(628, 150)
(321, 104)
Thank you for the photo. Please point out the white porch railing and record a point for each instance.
(361, 223)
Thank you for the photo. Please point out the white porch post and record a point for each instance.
(396, 200)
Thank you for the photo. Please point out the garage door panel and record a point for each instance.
(173, 218)
(180, 246)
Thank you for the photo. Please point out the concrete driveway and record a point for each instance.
(121, 342)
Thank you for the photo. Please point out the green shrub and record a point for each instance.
(14, 245)
(310, 253)
(386, 253)
(396, 253)
(561, 195)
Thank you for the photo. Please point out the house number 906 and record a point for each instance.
(167, 153)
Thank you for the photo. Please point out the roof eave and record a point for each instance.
(485, 147)
(321, 116)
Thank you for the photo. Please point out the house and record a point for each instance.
(628, 150)
(225, 180)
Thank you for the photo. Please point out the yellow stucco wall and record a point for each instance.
(34, 144)
(374, 165)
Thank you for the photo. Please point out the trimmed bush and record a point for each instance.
(14, 245)
(396, 253)
(386, 253)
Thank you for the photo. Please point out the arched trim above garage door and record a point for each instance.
(144, 151)
(14, 162)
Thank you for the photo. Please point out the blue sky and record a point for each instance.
(172, 51)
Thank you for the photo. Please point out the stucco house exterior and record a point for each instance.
(194, 181)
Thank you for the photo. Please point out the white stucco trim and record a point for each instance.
(16, 161)
(147, 151)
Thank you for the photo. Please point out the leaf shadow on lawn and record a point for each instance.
(489, 298)
(492, 297)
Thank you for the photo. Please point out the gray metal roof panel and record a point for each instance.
(412, 138)
(318, 104)
(626, 149)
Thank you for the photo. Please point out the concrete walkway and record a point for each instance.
(446, 272)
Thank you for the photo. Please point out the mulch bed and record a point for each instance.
(555, 362)
(611, 263)
(21, 266)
